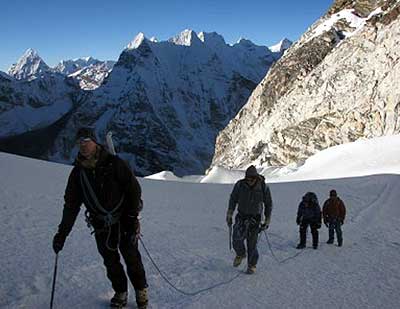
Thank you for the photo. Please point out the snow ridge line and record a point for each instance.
(178, 289)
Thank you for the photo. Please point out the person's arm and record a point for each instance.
(72, 203)
(133, 194)
(233, 200)
(299, 213)
(343, 212)
(325, 211)
(130, 186)
(267, 205)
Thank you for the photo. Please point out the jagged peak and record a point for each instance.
(212, 39)
(30, 52)
(137, 41)
(153, 39)
(29, 64)
(186, 38)
(283, 45)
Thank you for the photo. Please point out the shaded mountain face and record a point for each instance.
(337, 84)
(31, 111)
(165, 102)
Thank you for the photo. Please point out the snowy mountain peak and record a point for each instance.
(186, 38)
(212, 39)
(153, 39)
(244, 42)
(29, 65)
(71, 66)
(139, 38)
(281, 46)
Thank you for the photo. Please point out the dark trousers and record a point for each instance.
(107, 245)
(335, 226)
(303, 233)
(246, 229)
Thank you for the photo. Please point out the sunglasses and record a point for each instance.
(83, 140)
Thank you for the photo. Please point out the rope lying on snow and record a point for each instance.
(194, 293)
(178, 289)
(274, 256)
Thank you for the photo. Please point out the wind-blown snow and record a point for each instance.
(184, 229)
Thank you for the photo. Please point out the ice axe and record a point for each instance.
(230, 237)
(54, 282)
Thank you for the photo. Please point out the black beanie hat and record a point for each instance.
(333, 193)
(86, 132)
(251, 171)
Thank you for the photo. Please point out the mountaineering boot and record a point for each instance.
(315, 246)
(119, 300)
(238, 259)
(340, 243)
(330, 241)
(142, 299)
(300, 246)
(251, 269)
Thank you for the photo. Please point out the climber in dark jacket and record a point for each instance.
(112, 196)
(249, 194)
(309, 214)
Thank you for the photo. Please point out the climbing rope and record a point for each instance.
(178, 289)
(274, 256)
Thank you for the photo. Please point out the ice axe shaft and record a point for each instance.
(54, 282)
(230, 237)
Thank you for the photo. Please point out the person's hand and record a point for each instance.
(298, 221)
(229, 218)
(58, 242)
(326, 224)
(264, 226)
(341, 222)
(318, 225)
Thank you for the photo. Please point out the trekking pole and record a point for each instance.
(230, 237)
(54, 282)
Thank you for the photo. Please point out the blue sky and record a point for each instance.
(66, 29)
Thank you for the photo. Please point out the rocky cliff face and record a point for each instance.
(337, 84)
(166, 101)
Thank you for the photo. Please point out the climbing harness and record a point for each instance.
(108, 217)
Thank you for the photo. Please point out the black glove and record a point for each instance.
(264, 226)
(58, 242)
(326, 224)
(298, 221)
(318, 226)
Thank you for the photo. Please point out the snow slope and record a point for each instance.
(184, 229)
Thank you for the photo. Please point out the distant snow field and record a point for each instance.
(183, 225)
